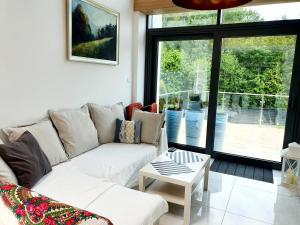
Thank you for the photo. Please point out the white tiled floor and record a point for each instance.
(239, 201)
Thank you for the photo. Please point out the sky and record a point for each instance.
(277, 11)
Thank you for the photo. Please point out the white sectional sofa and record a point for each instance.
(100, 179)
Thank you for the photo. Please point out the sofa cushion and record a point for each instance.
(76, 130)
(26, 159)
(115, 202)
(104, 118)
(120, 163)
(75, 188)
(152, 124)
(122, 203)
(6, 174)
(128, 132)
(47, 138)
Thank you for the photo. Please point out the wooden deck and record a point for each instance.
(258, 141)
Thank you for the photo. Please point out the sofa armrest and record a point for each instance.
(163, 142)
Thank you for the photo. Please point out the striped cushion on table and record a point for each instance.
(183, 157)
(168, 168)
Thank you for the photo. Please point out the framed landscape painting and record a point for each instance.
(93, 32)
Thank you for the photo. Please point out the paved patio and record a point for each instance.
(258, 141)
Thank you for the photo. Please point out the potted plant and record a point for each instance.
(221, 121)
(194, 117)
(174, 115)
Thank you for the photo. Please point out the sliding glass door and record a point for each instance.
(253, 96)
(184, 71)
(231, 91)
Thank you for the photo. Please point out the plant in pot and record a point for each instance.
(220, 128)
(174, 115)
(194, 118)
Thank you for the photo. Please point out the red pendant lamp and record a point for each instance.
(209, 4)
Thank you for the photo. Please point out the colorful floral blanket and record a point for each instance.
(20, 206)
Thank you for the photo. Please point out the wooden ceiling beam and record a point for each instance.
(150, 7)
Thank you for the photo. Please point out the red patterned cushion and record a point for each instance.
(20, 206)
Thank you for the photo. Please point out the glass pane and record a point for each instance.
(253, 95)
(286, 11)
(183, 19)
(184, 74)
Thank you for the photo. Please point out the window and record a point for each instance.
(271, 12)
(287, 11)
(183, 19)
(253, 96)
(184, 71)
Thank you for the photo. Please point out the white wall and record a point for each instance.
(35, 74)
(139, 45)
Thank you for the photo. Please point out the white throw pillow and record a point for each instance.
(104, 118)
(76, 130)
(151, 125)
(6, 174)
(47, 138)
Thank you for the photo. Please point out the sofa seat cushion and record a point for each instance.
(67, 184)
(120, 163)
(70, 186)
(127, 206)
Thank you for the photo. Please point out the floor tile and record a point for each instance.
(287, 211)
(221, 177)
(264, 186)
(199, 216)
(264, 206)
(217, 195)
(231, 219)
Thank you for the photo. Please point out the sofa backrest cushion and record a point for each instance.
(26, 159)
(6, 174)
(47, 138)
(104, 118)
(76, 130)
(151, 125)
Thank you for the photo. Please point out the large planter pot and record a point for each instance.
(221, 121)
(281, 115)
(173, 124)
(193, 126)
(194, 105)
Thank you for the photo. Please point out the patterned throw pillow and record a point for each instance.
(128, 132)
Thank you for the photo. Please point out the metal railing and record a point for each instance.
(188, 93)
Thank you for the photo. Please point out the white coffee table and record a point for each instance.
(176, 189)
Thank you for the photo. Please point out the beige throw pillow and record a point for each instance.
(6, 174)
(151, 125)
(104, 119)
(76, 130)
(47, 138)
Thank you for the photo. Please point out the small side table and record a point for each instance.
(176, 189)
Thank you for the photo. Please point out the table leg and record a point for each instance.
(206, 175)
(187, 205)
(142, 183)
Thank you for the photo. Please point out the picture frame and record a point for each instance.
(93, 32)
